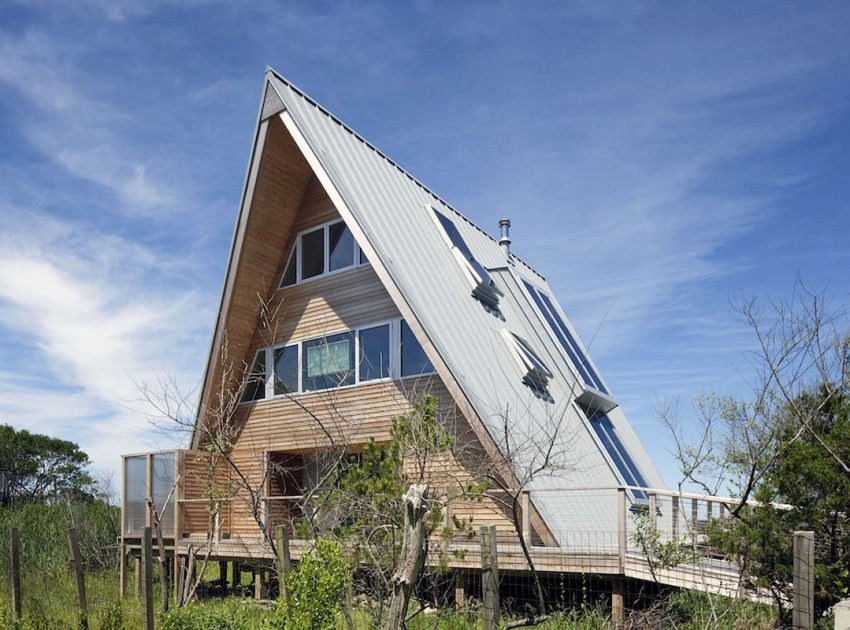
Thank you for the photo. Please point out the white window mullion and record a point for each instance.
(326, 234)
(356, 332)
(299, 252)
(269, 372)
(300, 384)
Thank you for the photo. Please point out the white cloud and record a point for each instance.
(97, 320)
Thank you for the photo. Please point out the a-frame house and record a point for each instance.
(351, 290)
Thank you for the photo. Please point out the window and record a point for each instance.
(413, 359)
(374, 352)
(537, 375)
(321, 250)
(484, 289)
(286, 370)
(328, 362)
(565, 338)
(623, 462)
(340, 247)
(255, 379)
(313, 253)
(378, 351)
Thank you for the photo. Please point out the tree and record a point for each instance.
(43, 468)
(784, 451)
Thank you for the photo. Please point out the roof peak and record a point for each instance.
(274, 73)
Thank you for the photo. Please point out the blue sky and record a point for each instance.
(657, 159)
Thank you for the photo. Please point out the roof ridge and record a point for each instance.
(383, 155)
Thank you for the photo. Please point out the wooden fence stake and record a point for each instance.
(79, 577)
(283, 561)
(490, 577)
(460, 590)
(803, 600)
(147, 580)
(15, 565)
(122, 569)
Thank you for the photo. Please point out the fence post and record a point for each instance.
(490, 577)
(283, 561)
(79, 577)
(803, 613)
(460, 590)
(122, 569)
(15, 567)
(147, 580)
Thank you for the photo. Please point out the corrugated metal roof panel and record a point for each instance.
(391, 208)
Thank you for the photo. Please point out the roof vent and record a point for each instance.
(505, 241)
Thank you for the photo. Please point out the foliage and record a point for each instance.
(228, 614)
(43, 468)
(660, 554)
(692, 610)
(811, 479)
(316, 588)
(44, 534)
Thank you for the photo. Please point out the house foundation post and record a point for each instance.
(460, 590)
(236, 577)
(618, 607)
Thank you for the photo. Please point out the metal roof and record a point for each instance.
(391, 208)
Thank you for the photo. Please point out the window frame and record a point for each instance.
(297, 251)
(394, 324)
(526, 357)
(483, 289)
(622, 453)
(577, 345)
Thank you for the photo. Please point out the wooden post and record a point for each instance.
(79, 578)
(179, 578)
(525, 507)
(259, 583)
(137, 587)
(15, 567)
(618, 607)
(122, 569)
(236, 577)
(709, 510)
(694, 522)
(147, 579)
(283, 561)
(674, 512)
(621, 527)
(460, 590)
(222, 574)
(803, 600)
(653, 509)
(490, 577)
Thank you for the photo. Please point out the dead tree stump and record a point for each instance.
(412, 557)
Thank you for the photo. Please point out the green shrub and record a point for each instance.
(316, 588)
(229, 614)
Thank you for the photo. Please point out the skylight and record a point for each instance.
(484, 288)
(537, 375)
(565, 337)
(617, 451)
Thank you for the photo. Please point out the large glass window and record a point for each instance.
(328, 362)
(286, 370)
(565, 338)
(313, 254)
(340, 246)
(375, 352)
(413, 358)
(255, 379)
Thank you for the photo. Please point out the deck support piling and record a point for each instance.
(460, 590)
(222, 575)
(618, 608)
(137, 574)
(122, 569)
(259, 583)
(236, 577)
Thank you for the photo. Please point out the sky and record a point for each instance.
(658, 161)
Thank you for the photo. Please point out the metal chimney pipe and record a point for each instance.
(505, 241)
